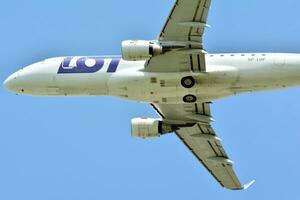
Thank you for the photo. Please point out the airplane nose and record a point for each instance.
(5, 84)
(9, 82)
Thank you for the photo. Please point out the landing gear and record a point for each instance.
(190, 98)
(188, 82)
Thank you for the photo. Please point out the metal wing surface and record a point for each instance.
(196, 132)
(184, 28)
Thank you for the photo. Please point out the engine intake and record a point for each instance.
(136, 50)
(149, 128)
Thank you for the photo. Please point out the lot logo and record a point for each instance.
(73, 65)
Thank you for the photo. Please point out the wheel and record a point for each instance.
(188, 82)
(189, 98)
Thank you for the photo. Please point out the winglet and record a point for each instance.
(245, 187)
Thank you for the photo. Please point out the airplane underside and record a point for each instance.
(175, 75)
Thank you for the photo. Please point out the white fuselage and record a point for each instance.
(226, 75)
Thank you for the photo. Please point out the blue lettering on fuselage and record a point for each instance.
(87, 65)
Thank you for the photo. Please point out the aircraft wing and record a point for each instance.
(198, 135)
(184, 28)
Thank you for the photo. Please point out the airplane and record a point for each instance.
(175, 75)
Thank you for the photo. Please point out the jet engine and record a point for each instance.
(137, 50)
(149, 128)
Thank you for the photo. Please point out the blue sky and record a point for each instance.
(81, 148)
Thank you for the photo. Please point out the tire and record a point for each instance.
(190, 98)
(188, 82)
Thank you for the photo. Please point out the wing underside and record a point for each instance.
(201, 139)
(185, 26)
(186, 21)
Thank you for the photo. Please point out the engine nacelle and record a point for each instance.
(136, 50)
(149, 128)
